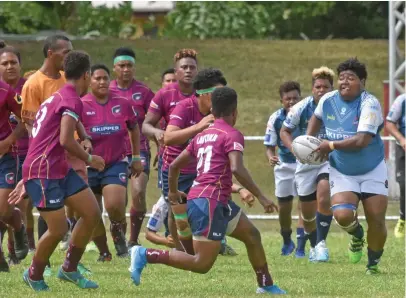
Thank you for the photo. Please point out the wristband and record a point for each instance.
(87, 137)
(89, 158)
(331, 145)
(240, 189)
(136, 158)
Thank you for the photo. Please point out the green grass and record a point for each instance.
(233, 276)
(254, 68)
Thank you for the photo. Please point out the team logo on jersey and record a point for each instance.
(237, 146)
(10, 178)
(123, 177)
(105, 129)
(356, 121)
(137, 96)
(18, 99)
(331, 117)
(173, 103)
(343, 110)
(116, 110)
(91, 113)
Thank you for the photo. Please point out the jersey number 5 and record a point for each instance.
(40, 116)
(204, 156)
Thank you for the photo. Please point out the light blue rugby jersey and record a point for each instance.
(273, 138)
(343, 120)
(299, 117)
(397, 113)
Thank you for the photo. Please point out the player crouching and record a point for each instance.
(353, 119)
(211, 213)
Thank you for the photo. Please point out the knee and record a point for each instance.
(202, 266)
(92, 217)
(376, 223)
(344, 217)
(60, 232)
(253, 237)
(139, 194)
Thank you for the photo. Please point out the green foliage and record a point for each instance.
(219, 20)
(27, 17)
(108, 21)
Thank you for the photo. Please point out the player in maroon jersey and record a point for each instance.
(211, 214)
(10, 73)
(10, 102)
(108, 119)
(51, 183)
(165, 100)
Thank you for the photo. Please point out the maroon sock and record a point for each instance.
(36, 270)
(15, 220)
(157, 256)
(31, 239)
(73, 256)
(101, 243)
(263, 276)
(136, 219)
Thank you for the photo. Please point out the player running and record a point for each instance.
(395, 124)
(140, 97)
(10, 73)
(353, 119)
(51, 183)
(108, 119)
(211, 213)
(284, 163)
(312, 180)
(10, 102)
(165, 101)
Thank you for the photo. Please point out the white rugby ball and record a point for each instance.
(303, 147)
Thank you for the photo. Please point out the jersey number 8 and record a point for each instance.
(40, 116)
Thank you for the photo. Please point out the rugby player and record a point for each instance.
(211, 213)
(140, 96)
(312, 180)
(395, 124)
(52, 184)
(353, 120)
(284, 163)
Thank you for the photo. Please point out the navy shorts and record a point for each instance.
(211, 219)
(50, 194)
(116, 173)
(185, 182)
(145, 161)
(8, 171)
(160, 172)
(21, 159)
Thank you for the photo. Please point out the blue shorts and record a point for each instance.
(185, 182)
(116, 173)
(50, 194)
(8, 171)
(160, 172)
(212, 220)
(21, 159)
(145, 161)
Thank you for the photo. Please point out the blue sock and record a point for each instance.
(323, 223)
(374, 257)
(358, 232)
(286, 236)
(301, 239)
(312, 236)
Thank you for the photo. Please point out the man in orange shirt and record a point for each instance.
(40, 86)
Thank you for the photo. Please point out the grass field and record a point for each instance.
(255, 69)
(233, 276)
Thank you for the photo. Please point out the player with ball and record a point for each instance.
(353, 119)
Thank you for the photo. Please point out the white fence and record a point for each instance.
(261, 216)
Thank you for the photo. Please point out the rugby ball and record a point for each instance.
(303, 147)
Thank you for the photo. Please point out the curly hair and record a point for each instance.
(208, 78)
(354, 65)
(289, 86)
(185, 53)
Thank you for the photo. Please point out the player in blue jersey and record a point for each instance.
(353, 119)
(395, 124)
(312, 180)
(284, 163)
